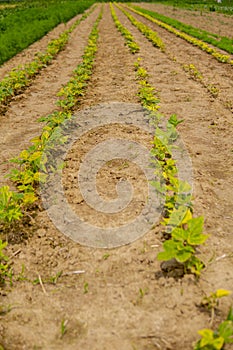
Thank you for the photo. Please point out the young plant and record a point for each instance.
(63, 327)
(215, 340)
(211, 302)
(10, 205)
(85, 288)
(183, 243)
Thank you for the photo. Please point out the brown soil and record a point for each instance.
(121, 300)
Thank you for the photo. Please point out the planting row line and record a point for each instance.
(14, 205)
(186, 232)
(149, 34)
(133, 46)
(20, 77)
(196, 42)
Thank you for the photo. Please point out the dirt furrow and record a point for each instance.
(19, 124)
(113, 78)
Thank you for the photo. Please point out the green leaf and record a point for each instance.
(179, 234)
(169, 251)
(230, 315)
(184, 254)
(196, 225)
(174, 121)
(222, 293)
(195, 228)
(177, 216)
(184, 187)
(225, 330)
(207, 336)
(209, 341)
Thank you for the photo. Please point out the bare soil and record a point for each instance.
(121, 299)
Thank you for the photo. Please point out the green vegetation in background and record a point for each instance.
(223, 43)
(28, 22)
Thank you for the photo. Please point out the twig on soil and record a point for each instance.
(221, 257)
(77, 272)
(42, 286)
(15, 253)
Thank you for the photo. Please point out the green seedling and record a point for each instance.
(213, 90)
(21, 276)
(142, 292)
(10, 205)
(54, 279)
(49, 280)
(106, 256)
(63, 327)
(193, 72)
(211, 302)
(182, 245)
(86, 288)
(215, 340)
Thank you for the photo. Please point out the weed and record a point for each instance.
(63, 328)
(106, 256)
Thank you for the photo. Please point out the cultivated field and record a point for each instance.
(59, 294)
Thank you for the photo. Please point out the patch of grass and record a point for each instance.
(23, 25)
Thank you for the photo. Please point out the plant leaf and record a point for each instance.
(222, 293)
(225, 330)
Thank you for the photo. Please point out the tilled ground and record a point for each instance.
(121, 300)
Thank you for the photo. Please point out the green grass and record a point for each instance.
(27, 23)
